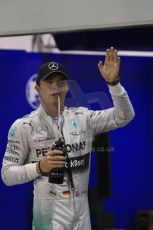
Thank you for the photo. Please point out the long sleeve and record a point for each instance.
(14, 169)
(119, 115)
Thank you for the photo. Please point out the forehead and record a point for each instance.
(55, 77)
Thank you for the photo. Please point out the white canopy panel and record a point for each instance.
(43, 16)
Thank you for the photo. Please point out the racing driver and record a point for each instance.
(61, 174)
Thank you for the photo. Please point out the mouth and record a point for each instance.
(55, 94)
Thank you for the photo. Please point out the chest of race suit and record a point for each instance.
(75, 144)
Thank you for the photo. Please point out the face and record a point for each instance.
(49, 89)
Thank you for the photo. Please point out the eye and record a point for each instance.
(50, 82)
(62, 83)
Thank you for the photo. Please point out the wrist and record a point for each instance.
(115, 82)
(38, 167)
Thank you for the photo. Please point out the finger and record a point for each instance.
(54, 153)
(100, 65)
(119, 60)
(111, 49)
(53, 163)
(111, 54)
(56, 158)
(107, 55)
(115, 56)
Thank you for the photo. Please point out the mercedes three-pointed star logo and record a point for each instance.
(53, 66)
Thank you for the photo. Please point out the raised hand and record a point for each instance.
(110, 69)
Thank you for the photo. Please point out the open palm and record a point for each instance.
(110, 69)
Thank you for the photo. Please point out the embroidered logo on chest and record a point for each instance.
(74, 123)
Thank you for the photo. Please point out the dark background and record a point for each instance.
(128, 38)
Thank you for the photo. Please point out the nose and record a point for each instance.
(55, 85)
(55, 88)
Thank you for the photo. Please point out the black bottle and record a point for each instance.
(56, 176)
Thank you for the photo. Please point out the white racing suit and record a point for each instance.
(56, 207)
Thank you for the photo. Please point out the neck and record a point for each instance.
(52, 110)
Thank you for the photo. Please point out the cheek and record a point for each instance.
(43, 92)
(65, 89)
